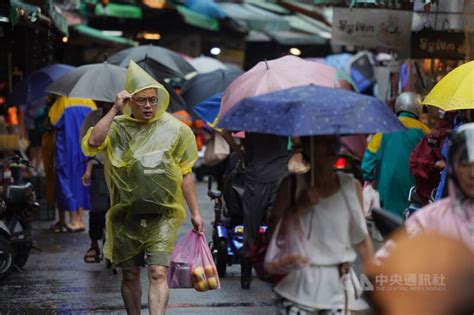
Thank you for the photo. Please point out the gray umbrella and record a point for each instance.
(98, 81)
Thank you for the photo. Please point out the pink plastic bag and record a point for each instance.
(289, 248)
(192, 265)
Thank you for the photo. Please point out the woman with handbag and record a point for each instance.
(329, 205)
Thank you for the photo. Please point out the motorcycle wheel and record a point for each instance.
(6, 258)
(22, 251)
(221, 258)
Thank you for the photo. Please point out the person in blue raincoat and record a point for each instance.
(386, 160)
(66, 116)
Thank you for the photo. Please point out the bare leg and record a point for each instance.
(132, 290)
(158, 292)
(74, 222)
(81, 217)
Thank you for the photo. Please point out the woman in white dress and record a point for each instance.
(333, 220)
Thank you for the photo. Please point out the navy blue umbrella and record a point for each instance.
(309, 111)
(32, 87)
(205, 85)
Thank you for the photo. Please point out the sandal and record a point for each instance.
(73, 230)
(59, 228)
(92, 256)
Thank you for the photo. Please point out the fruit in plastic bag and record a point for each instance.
(192, 265)
(210, 270)
(201, 285)
(213, 283)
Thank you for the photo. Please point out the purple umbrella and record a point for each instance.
(32, 87)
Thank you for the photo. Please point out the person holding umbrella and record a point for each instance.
(330, 204)
(148, 162)
(331, 211)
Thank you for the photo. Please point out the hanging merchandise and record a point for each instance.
(361, 69)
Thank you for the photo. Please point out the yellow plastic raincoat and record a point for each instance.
(144, 167)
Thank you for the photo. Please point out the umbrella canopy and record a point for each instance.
(309, 111)
(98, 81)
(274, 75)
(165, 63)
(206, 64)
(208, 109)
(455, 91)
(208, 84)
(32, 87)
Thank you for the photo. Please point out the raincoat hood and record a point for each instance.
(138, 80)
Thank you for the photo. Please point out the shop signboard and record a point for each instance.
(429, 43)
(373, 28)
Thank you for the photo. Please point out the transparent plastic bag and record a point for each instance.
(289, 248)
(371, 199)
(192, 265)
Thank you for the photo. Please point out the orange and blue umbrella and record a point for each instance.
(310, 111)
(208, 109)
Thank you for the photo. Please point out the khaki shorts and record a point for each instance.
(142, 259)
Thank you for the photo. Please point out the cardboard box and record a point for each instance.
(9, 142)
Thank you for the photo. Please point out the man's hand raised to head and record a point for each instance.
(121, 100)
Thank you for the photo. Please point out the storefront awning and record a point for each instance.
(199, 20)
(19, 8)
(125, 11)
(255, 18)
(97, 34)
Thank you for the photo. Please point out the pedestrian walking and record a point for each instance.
(266, 164)
(333, 221)
(95, 178)
(386, 160)
(66, 116)
(148, 163)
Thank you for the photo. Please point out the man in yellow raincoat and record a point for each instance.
(149, 156)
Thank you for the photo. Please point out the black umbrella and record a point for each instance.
(163, 62)
(98, 81)
(206, 85)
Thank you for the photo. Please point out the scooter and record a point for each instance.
(17, 203)
(415, 202)
(227, 234)
(347, 162)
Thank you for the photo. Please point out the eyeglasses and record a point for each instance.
(142, 101)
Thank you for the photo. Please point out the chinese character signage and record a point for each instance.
(373, 28)
(438, 44)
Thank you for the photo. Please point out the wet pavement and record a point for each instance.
(56, 280)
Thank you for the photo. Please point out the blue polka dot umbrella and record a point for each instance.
(309, 111)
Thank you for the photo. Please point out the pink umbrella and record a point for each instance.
(278, 74)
